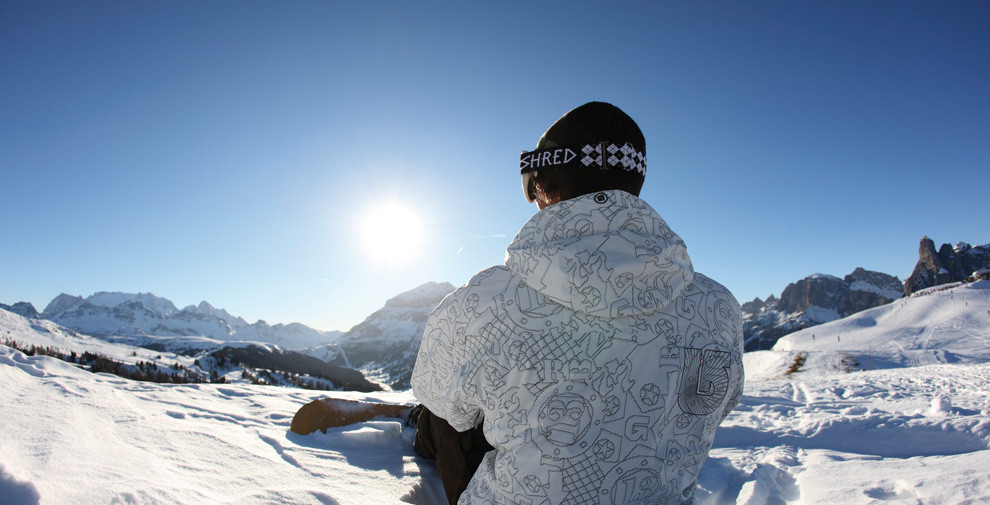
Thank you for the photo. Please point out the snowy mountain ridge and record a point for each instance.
(141, 317)
(383, 346)
(150, 302)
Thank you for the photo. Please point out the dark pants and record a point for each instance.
(458, 454)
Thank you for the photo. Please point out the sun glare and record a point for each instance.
(392, 234)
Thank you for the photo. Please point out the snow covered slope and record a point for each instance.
(43, 333)
(902, 434)
(71, 437)
(231, 362)
(944, 324)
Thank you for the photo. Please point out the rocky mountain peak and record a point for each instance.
(818, 290)
(816, 299)
(754, 306)
(952, 263)
(868, 281)
(861, 274)
(60, 304)
(205, 310)
(150, 302)
(24, 309)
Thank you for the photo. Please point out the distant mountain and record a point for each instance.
(384, 345)
(950, 264)
(814, 300)
(141, 316)
(821, 298)
(21, 308)
(240, 362)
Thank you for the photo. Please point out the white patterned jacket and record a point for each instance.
(599, 362)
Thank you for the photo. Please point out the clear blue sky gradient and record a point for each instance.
(225, 151)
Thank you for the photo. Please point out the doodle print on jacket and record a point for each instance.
(599, 362)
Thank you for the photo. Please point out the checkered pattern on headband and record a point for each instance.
(625, 157)
(592, 155)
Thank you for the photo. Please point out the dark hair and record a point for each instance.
(590, 123)
(556, 185)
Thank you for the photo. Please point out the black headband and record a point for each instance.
(623, 156)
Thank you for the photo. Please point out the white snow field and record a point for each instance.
(913, 429)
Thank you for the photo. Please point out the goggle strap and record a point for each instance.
(603, 155)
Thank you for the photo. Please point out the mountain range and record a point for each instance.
(384, 345)
(814, 300)
(149, 320)
(821, 298)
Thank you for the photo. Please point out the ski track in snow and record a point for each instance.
(914, 429)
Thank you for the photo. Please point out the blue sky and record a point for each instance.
(229, 151)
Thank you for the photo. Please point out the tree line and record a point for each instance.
(141, 371)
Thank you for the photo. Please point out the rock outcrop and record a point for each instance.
(814, 300)
(950, 264)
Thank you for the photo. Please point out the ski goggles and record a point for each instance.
(603, 155)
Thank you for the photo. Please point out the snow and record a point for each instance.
(142, 318)
(890, 404)
(944, 324)
(150, 301)
(113, 440)
(892, 294)
(820, 314)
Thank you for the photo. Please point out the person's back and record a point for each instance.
(599, 363)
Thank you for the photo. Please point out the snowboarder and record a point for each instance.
(595, 366)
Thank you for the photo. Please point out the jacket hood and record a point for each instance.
(607, 254)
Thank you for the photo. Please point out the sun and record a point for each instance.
(392, 233)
